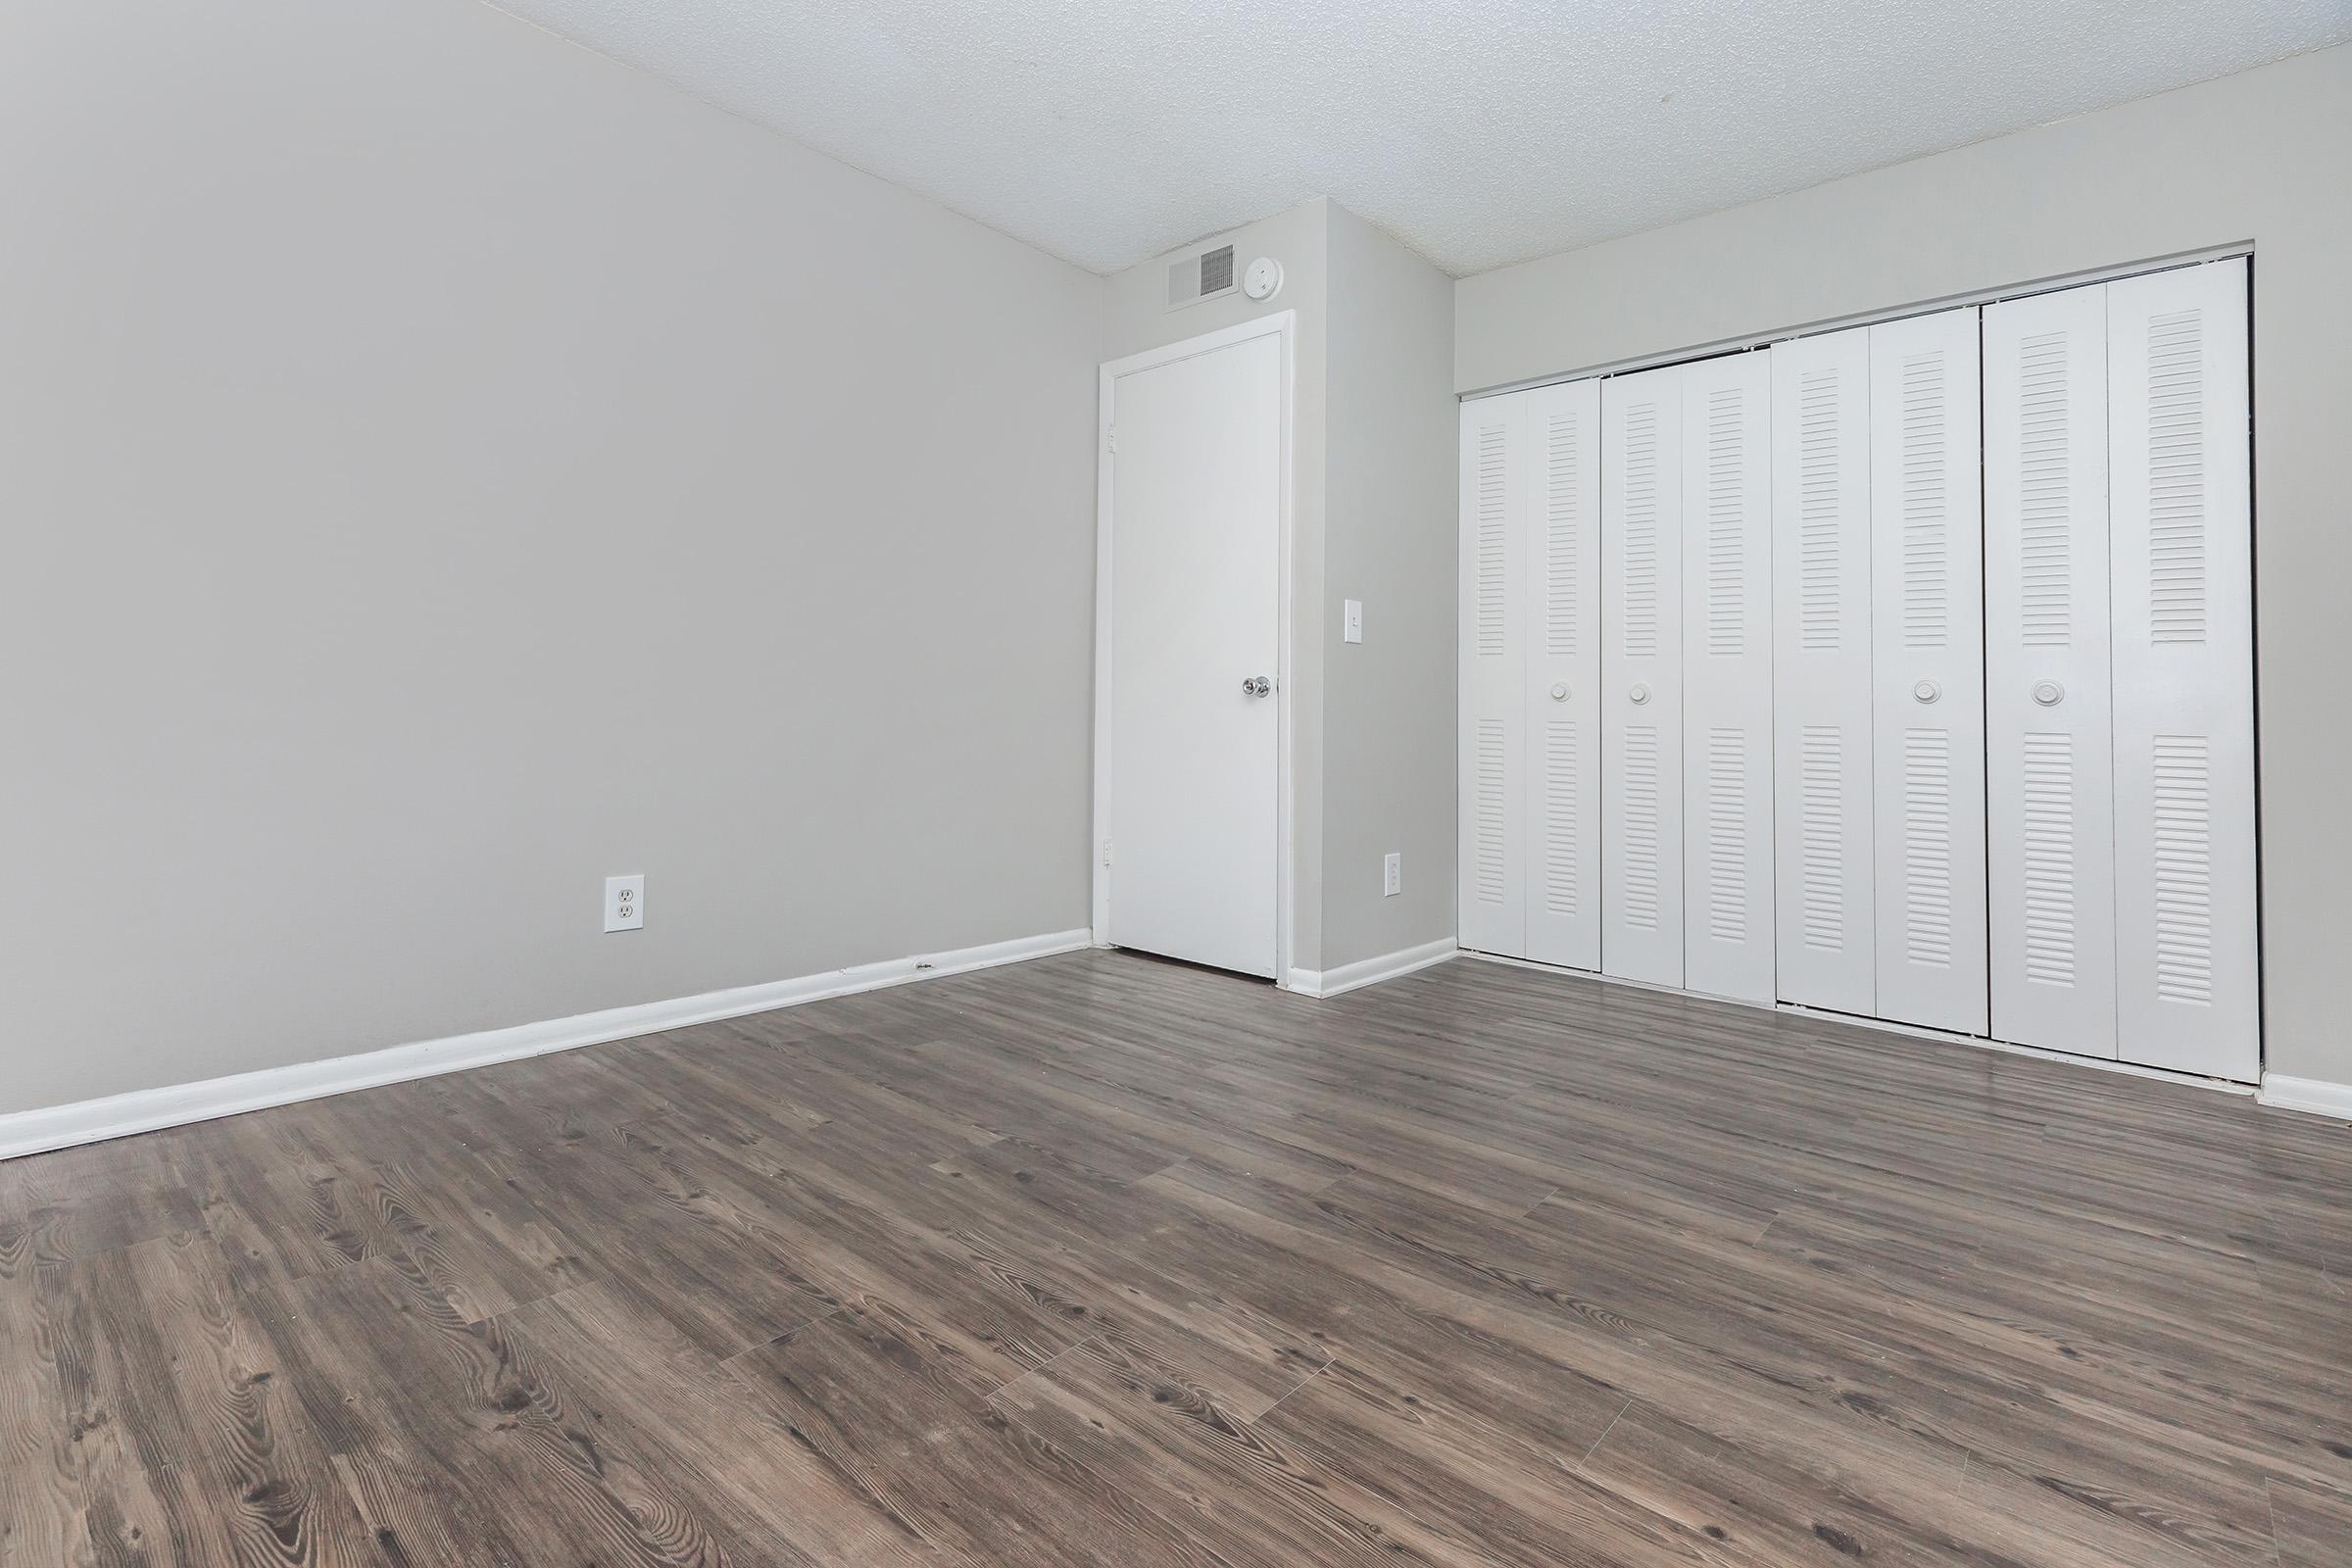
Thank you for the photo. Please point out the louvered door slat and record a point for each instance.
(1726, 677)
(1821, 550)
(1491, 853)
(2049, 739)
(2187, 981)
(1928, 671)
(1642, 676)
(1563, 567)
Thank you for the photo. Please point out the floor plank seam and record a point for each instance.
(1541, 1202)
(1293, 1389)
(1604, 1433)
(769, 1343)
(1175, 1164)
(1031, 1372)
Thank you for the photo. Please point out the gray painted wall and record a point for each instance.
(1390, 703)
(441, 467)
(2265, 156)
(1374, 431)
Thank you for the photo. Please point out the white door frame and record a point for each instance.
(1282, 325)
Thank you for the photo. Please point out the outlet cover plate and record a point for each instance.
(624, 902)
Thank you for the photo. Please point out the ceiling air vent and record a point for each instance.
(1201, 277)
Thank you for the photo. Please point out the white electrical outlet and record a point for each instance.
(1352, 620)
(624, 902)
(1391, 875)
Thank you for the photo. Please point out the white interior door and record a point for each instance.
(2187, 983)
(1822, 557)
(1927, 662)
(1642, 676)
(1726, 677)
(1561, 688)
(1195, 548)
(2049, 738)
(1494, 588)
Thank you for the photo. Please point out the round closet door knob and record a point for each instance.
(1927, 691)
(2048, 693)
(1639, 693)
(1559, 691)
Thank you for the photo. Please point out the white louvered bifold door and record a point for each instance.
(1927, 671)
(2182, 525)
(2049, 741)
(1821, 668)
(1642, 676)
(1492, 852)
(1726, 677)
(1563, 675)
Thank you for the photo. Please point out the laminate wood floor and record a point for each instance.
(1098, 1260)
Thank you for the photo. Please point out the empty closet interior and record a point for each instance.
(1904, 670)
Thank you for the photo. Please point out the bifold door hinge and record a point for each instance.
(1110, 439)
(1106, 851)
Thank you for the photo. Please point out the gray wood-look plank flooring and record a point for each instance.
(1102, 1260)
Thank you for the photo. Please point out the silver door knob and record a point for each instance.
(1256, 686)
(1927, 691)
(1559, 691)
(2048, 693)
(1639, 693)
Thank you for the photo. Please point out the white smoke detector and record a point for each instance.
(1263, 280)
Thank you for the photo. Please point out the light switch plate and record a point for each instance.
(624, 902)
(1352, 619)
(1391, 877)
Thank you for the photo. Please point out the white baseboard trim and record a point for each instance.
(31, 1132)
(1370, 971)
(2314, 1095)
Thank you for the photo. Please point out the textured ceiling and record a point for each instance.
(1479, 132)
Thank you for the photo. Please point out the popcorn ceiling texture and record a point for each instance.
(1479, 132)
